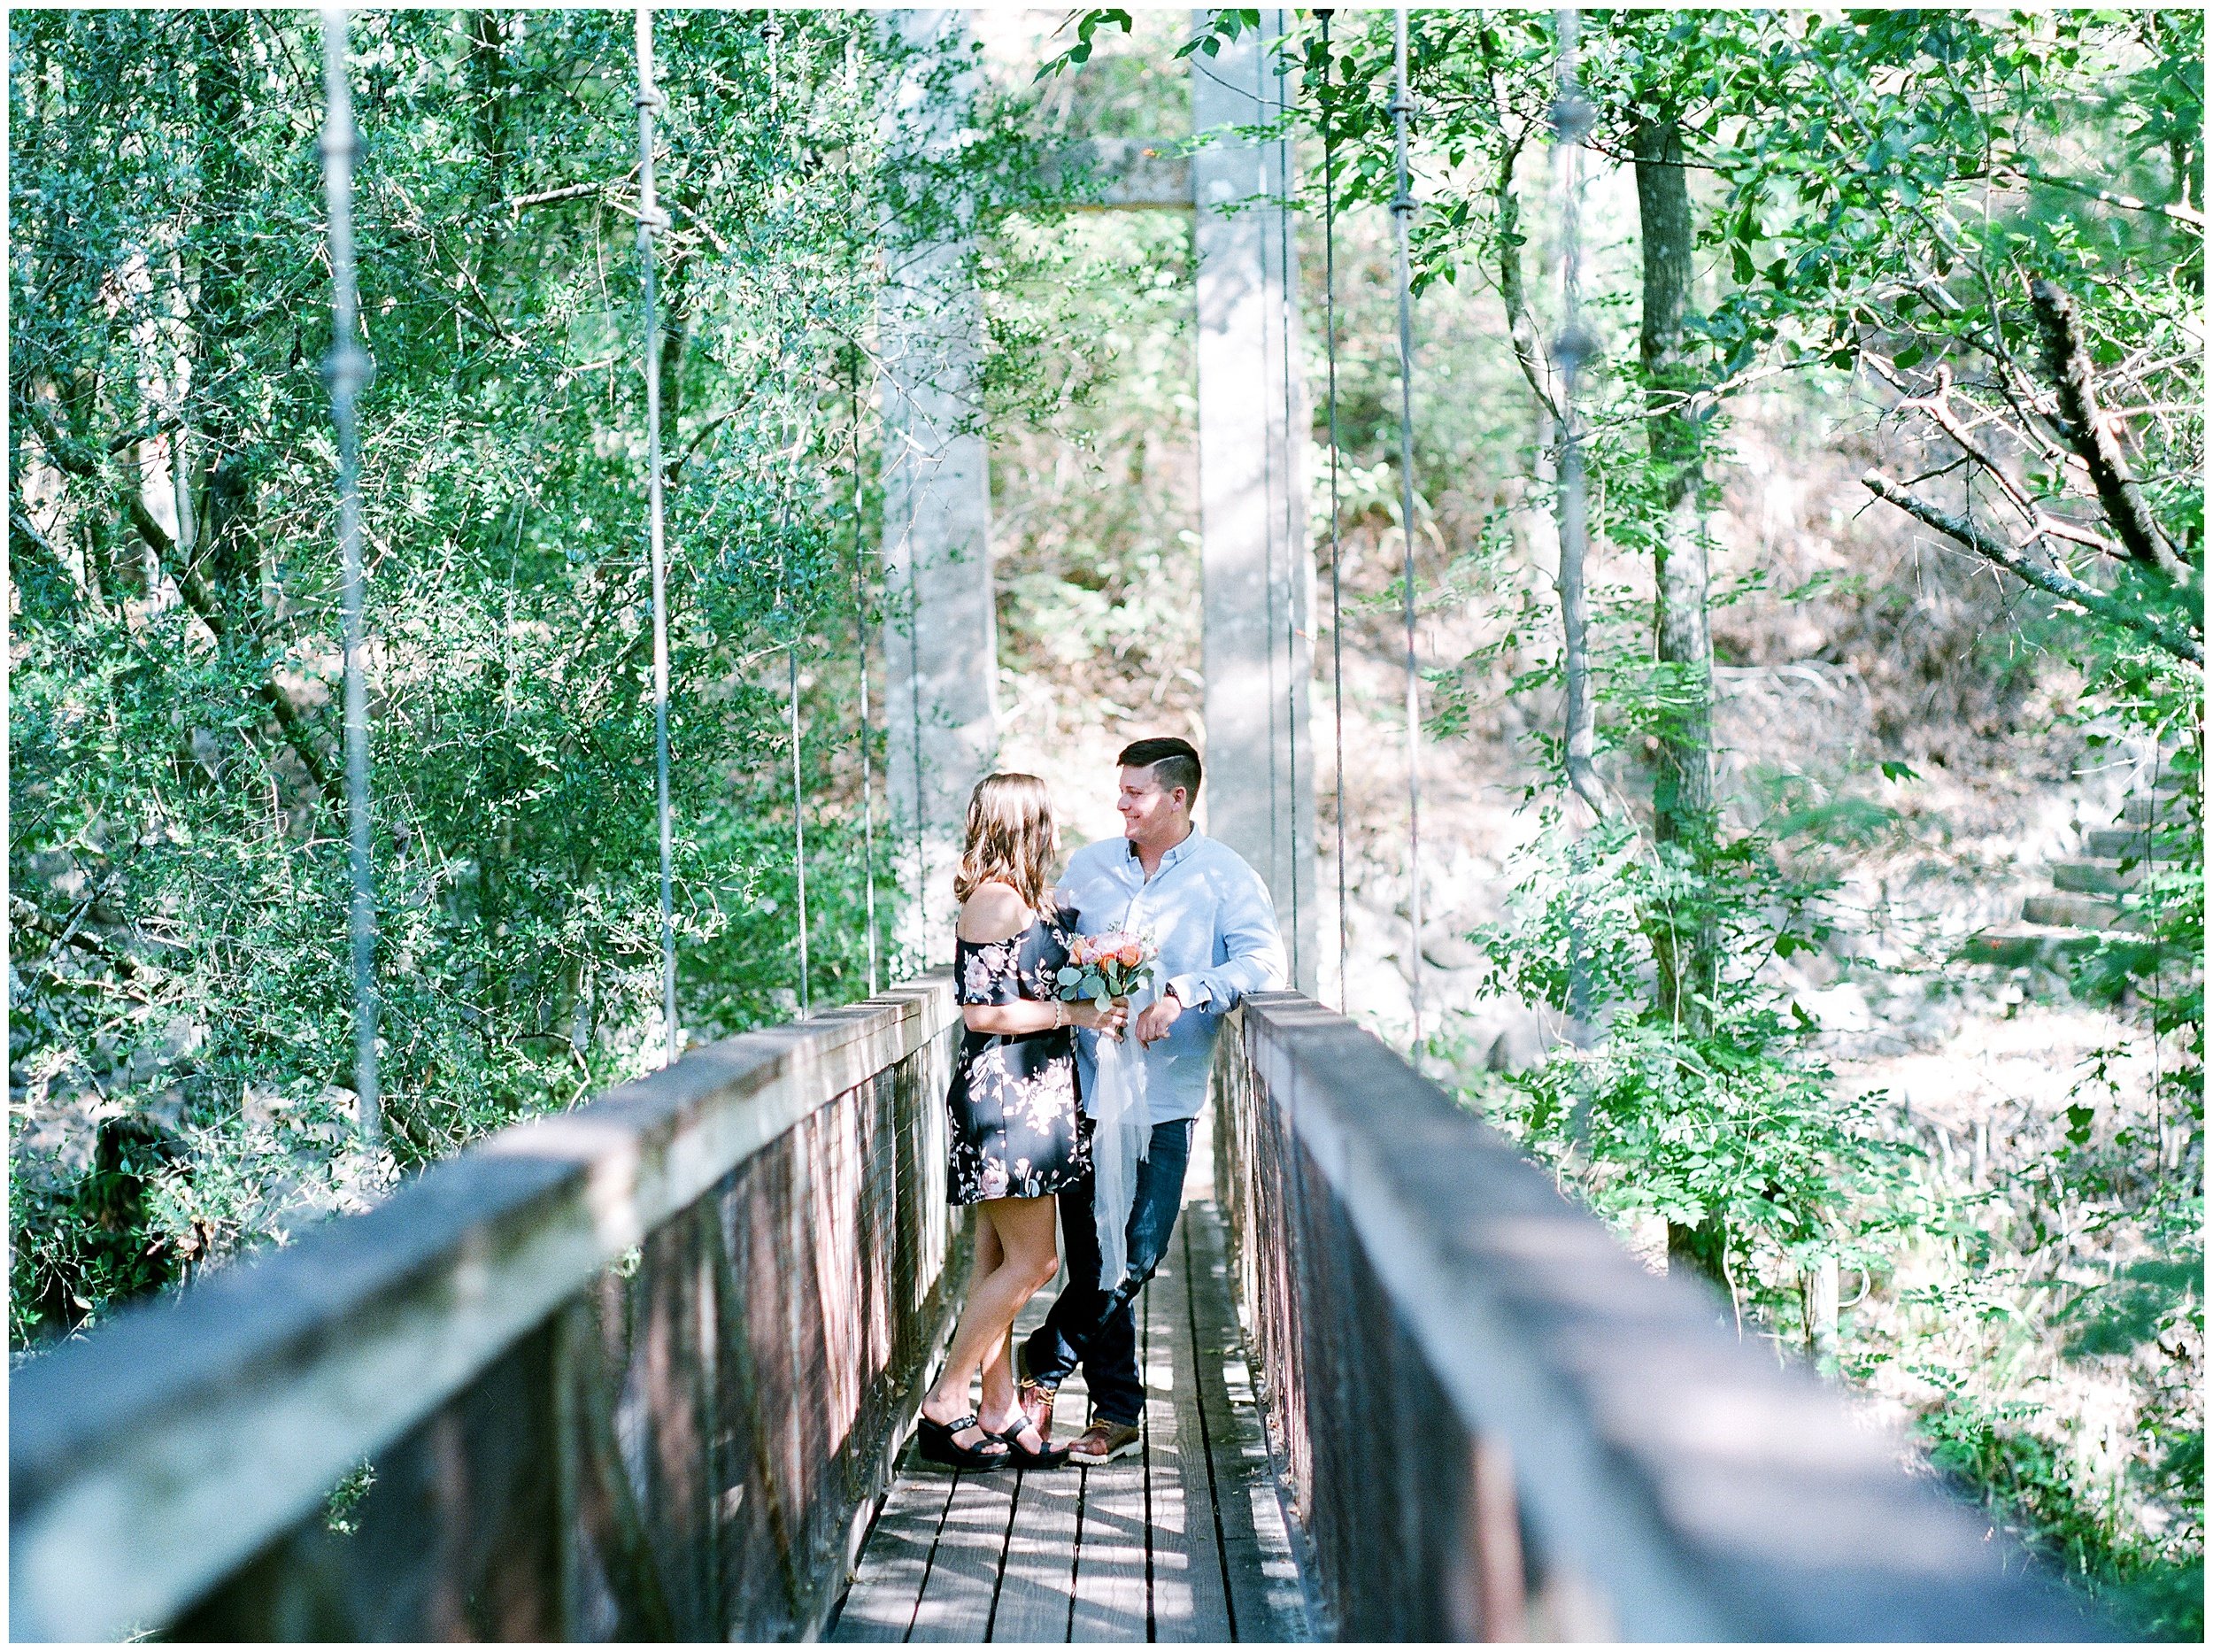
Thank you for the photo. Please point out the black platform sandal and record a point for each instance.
(1020, 1455)
(933, 1440)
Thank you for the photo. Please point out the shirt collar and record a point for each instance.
(1190, 842)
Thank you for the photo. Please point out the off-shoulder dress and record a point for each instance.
(1013, 1107)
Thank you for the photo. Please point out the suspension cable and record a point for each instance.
(346, 370)
(1271, 506)
(1287, 515)
(1336, 588)
(860, 639)
(1401, 210)
(1571, 124)
(649, 218)
(798, 821)
(920, 928)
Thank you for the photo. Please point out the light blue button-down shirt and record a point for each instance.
(1211, 916)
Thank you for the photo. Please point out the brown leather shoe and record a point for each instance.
(1036, 1400)
(1103, 1443)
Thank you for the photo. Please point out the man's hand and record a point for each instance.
(1156, 1018)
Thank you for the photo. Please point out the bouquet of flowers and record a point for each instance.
(1103, 968)
(1106, 967)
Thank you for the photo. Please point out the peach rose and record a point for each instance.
(1132, 956)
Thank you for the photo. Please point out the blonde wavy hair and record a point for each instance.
(1013, 838)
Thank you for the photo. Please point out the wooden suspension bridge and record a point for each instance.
(647, 1370)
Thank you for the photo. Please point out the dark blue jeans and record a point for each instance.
(1094, 1328)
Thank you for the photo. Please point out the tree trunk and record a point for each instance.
(1685, 943)
(228, 557)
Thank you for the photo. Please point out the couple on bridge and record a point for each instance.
(1027, 1139)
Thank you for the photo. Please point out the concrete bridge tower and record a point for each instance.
(1254, 417)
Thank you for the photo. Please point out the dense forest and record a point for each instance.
(1808, 538)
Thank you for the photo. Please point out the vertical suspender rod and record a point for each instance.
(648, 220)
(1337, 583)
(1401, 210)
(347, 371)
(860, 627)
(798, 826)
(1289, 514)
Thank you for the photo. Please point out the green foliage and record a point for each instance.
(180, 851)
(1725, 1122)
(346, 1497)
(1874, 194)
(2157, 1595)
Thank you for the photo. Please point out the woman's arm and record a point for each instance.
(995, 913)
(1032, 1016)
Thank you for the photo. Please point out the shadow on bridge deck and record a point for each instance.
(1185, 1541)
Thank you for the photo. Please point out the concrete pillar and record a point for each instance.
(940, 645)
(1253, 479)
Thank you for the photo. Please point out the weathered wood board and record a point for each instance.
(1184, 1543)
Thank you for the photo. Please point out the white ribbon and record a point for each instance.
(1120, 1136)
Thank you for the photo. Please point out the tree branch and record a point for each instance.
(2064, 586)
(2068, 363)
(26, 916)
(22, 525)
(1529, 350)
(87, 464)
(2126, 203)
(1937, 404)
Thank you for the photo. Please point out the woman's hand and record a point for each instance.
(1109, 1018)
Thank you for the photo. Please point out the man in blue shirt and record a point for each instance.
(1211, 916)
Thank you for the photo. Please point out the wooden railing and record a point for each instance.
(1493, 1425)
(635, 1371)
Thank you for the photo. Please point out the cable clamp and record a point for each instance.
(349, 369)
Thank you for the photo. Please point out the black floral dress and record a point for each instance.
(1013, 1105)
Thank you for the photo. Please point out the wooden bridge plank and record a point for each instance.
(1112, 1596)
(963, 1582)
(1265, 1601)
(895, 1563)
(1036, 1590)
(1190, 1590)
(1186, 1542)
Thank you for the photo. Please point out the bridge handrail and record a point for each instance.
(1495, 1424)
(152, 1458)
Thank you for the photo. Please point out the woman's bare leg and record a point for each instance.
(1022, 1235)
(997, 1384)
(999, 1380)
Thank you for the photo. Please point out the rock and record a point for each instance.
(1839, 1008)
(1508, 1035)
(1520, 1047)
(182, 1038)
(261, 1104)
(1449, 951)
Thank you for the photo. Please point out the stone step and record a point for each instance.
(2121, 843)
(2068, 909)
(2143, 807)
(2027, 943)
(2096, 878)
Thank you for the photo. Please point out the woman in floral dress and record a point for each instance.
(1011, 1112)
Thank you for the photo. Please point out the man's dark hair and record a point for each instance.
(1174, 763)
